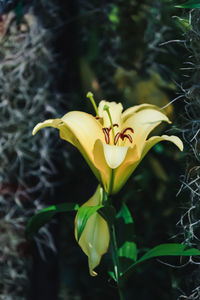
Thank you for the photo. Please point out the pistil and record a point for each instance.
(91, 97)
(106, 108)
(115, 137)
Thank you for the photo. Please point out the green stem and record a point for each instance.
(115, 258)
(111, 181)
(114, 247)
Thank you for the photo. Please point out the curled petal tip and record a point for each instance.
(93, 273)
(174, 139)
(35, 129)
(180, 144)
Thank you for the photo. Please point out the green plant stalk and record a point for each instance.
(114, 248)
(115, 258)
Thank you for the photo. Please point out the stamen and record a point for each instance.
(128, 137)
(91, 97)
(117, 136)
(108, 131)
(106, 134)
(125, 130)
(122, 135)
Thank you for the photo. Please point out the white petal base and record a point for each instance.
(114, 155)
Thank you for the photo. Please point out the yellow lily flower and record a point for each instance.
(114, 142)
(94, 240)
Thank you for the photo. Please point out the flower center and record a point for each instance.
(120, 135)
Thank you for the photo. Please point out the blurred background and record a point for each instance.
(51, 54)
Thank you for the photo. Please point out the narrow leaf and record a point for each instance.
(125, 214)
(189, 4)
(164, 250)
(170, 249)
(84, 213)
(45, 215)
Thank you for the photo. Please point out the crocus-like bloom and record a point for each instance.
(114, 142)
(94, 240)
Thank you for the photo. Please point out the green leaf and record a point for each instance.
(45, 215)
(163, 250)
(127, 255)
(114, 15)
(112, 275)
(84, 213)
(125, 214)
(127, 248)
(183, 23)
(189, 4)
(170, 249)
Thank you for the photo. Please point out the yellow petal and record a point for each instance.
(101, 164)
(115, 111)
(80, 129)
(106, 159)
(85, 128)
(123, 172)
(136, 108)
(143, 121)
(156, 139)
(114, 155)
(56, 123)
(127, 168)
(95, 238)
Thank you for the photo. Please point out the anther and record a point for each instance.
(126, 129)
(117, 136)
(106, 134)
(128, 137)
(122, 135)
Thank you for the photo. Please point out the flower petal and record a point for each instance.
(80, 129)
(123, 172)
(156, 139)
(126, 169)
(114, 155)
(56, 123)
(85, 128)
(101, 164)
(143, 121)
(115, 111)
(136, 108)
(95, 238)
